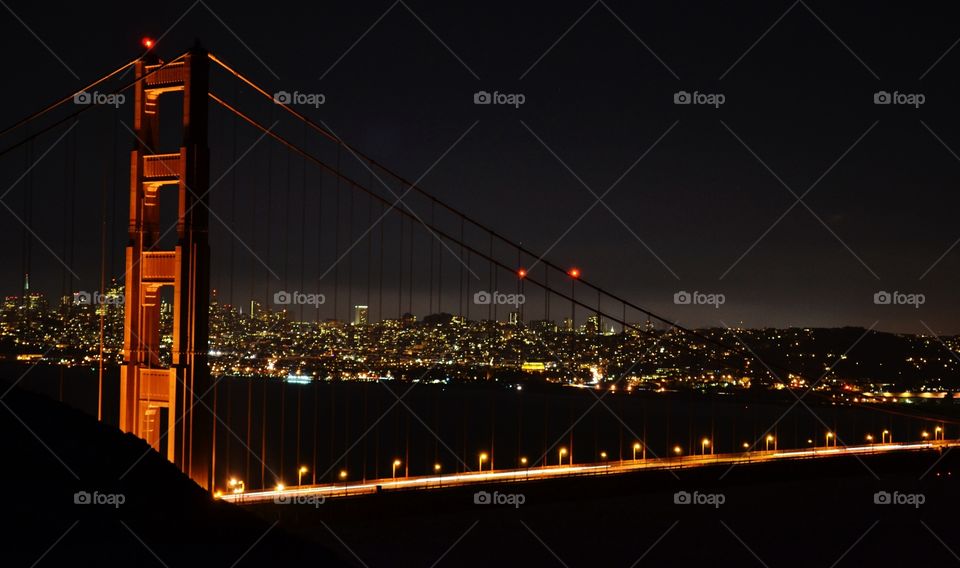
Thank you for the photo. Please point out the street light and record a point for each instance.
(280, 487)
(603, 455)
(300, 472)
(703, 447)
(677, 450)
(925, 434)
(883, 436)
(830, 435)
(636, 446)
(236, 485)
(770, 438)
(563, 452)
(746, 445)
(483, 458)
(938, 431)
(870, 438)
(343, 474)
(396, 464)
(523, 461)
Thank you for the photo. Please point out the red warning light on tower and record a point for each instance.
(522, 273)
(147, 42)
(574, 273)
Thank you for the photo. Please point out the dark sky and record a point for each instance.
(798, 80)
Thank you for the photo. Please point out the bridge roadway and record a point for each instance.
(610, 467)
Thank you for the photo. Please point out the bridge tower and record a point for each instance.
(169, 406)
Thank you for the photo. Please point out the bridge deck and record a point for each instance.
(610, 467)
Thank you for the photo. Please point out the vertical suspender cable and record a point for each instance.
(336, 238)
(383, 211)
(430, 272)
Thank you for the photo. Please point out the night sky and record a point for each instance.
(599, 82)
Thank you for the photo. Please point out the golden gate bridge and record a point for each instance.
(177, 407)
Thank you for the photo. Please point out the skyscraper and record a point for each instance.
(360, 315)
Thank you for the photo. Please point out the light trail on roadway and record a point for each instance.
(609, 467)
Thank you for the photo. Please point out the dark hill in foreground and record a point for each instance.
(51, 452)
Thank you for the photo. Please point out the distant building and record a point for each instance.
(360, 315)
(567, 324)
(544, 325)
(514, 317)
(593, 324)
